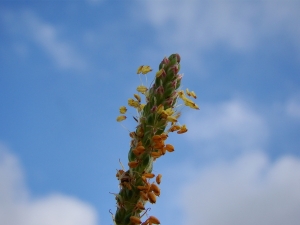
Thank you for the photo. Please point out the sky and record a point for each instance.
(67, 66)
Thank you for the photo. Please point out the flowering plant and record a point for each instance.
(157, 117)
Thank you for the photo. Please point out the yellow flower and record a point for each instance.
(160, 109)
(177, 115)
(160, 72)
(137, 97)
(187, 92)
(141, 107)
(187, 102)
(133, 103)
(181, 95)
(191, 93)
(144, 69)
(139, 69)
(171, 119)
(121, 118)
(123, 110)
(190, 103)
(166, 113)
(142, 89)
(169, 111)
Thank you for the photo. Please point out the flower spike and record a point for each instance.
(157, 116)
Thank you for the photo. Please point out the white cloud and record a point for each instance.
(227, 127)
(192, 27)
(18, 207)
(293, 107)
(47, 37)
(59, 209)
(248, 191)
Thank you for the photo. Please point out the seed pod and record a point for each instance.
(140, 148)
(164, 136)
(156, 138)
(155, 154)
(149, 175)
(152, 197)
(142, 188)
(155, 189)
(158, 178)
(144, 196)
(133, 164)
(169, 148)
(135, 220)
(136, 152)
(153, 220)
(140, 206)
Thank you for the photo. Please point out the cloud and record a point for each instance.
(293, 107)
(18, 207)
(249, 190)
(227, 127)
(194, 27)
(47, 37)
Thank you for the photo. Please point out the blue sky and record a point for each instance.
(66, 68)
